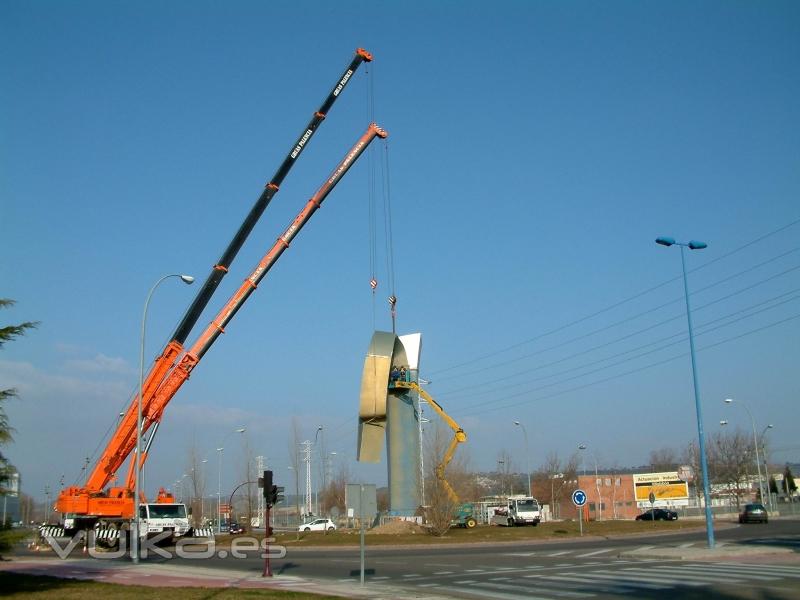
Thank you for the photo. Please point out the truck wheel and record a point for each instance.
(470, 523)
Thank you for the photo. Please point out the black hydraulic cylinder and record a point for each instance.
(221, 268)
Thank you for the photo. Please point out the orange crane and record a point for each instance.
(92, 503)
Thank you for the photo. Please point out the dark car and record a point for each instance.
(235, 528)
(754, 513)
(658, 514)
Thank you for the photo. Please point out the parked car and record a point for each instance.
(318, 525)
(754, 513)
(658, 514)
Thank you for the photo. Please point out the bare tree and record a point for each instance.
(197, 481)
(731, 453)
(663, 459)
(505, 469)
(441, 500)
(334, 492)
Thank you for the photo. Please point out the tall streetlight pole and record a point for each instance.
(695, 245)
(596, 484)
(320, 453)
(755, 443)
(187, 279)
(527, 466)
(766, 465)
(220, 450)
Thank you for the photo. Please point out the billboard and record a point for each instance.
(664, 486)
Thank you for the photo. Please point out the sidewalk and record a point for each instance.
(166, 575)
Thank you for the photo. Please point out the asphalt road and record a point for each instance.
(623, 567)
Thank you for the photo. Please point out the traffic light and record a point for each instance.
(266, 485)
(276, 495)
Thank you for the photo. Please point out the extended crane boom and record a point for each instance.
(119, 501)
(459, 437)
(108, 464)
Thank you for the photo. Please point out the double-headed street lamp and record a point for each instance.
(695, 245)
(755, 443)
(527, 466)
(219, 476)
(187, 279)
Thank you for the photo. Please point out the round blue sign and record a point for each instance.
(579, 497)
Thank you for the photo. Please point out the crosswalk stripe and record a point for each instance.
(509, 587)
(686, 545)
(646, 577)
(719, 571)
(680, 578)
(496, 594)
(786, 571)
(593, 553)
(640, 584)
(615, 587)
(562, 552)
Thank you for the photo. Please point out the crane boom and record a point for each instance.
(107, 466)
(76, 500)
(459, 436)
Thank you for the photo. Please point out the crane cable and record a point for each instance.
(373, 216)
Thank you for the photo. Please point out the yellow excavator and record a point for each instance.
(463, 515)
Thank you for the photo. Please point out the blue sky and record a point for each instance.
(536, 150)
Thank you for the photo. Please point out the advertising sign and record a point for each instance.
(664, 487)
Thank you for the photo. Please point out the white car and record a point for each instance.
(318, 525)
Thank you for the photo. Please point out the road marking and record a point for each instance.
(716, 571)
(616, 579)
(680, 577)
(643, 548)
(412, 575)
(427, 584)
(524, 554)
(475, 570)
(443, 573)
(686, 545)
(381, 577)
(560, 553)
(617, 587)
(511, 588)
(499, 578)
(495, 594)
(593, 553)
(785, 571)
(465, 582)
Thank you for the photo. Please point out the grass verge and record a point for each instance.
(40, 587)
(488, 533)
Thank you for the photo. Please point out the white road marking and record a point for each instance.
(594, 553)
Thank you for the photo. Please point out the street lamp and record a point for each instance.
(187, 279)
(766, 465)
(596, 483)
(695, 245)
(527, 467)
(755, 443)
(219, 476)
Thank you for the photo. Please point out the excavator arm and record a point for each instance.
(459, 437)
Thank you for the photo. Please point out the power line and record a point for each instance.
(615, 304)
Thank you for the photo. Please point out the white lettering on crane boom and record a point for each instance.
(343, 82)
(301, 143)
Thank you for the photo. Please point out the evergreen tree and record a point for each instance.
(789, 486)
(8, 333)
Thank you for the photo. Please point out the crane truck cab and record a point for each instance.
(518, 510)
(157, 518)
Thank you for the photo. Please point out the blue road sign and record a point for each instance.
(579, 497)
